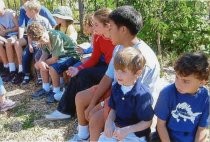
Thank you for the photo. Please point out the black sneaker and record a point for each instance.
(50, 97)
(18, 78)
(9, 77)
(41, 93)
(26, 80)
(39, 82)
(4, 72)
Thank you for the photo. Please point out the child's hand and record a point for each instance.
(72, 71)
(120, 133)
(2, 31)
(109, 128)
(43, 66)
(79, 50)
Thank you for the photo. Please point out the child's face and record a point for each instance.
(30, 13)
(188, 84)
(57, 20)
(88, 30)
(126, 77)
(44, 39)
(114, 33)
(100, 28)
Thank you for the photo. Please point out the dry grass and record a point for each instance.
(26, 122)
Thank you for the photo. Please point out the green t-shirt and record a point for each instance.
(61, 45)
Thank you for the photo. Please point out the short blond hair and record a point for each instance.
(32, 5)
(129, 58)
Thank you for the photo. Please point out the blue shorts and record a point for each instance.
(64, 63)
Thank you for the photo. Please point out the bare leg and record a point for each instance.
(55, 77)
(19, 49)
(10, 51)
(3, 54)
(82, 101)
(95, 130)
(45, 76)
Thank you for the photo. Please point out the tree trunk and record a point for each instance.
(158, 44)
(81, 13)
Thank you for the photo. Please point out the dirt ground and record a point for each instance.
(26, 122)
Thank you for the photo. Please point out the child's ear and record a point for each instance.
(138, 73)
(203, 82)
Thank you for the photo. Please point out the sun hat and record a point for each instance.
(63, 12)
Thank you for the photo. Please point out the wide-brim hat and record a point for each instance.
(63, 12)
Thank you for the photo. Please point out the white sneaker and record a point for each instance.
(57, 115)
(7, 104)
(57, 96)
(76, 138)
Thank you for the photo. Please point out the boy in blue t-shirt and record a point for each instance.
(131, 111)
(183, 107)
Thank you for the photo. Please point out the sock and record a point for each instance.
(12, 67)
(20, 68)
(26, 77)
(6, 65)
(46, 86)
(56, 89)
(83, 132)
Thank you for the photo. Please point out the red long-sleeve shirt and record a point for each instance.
(101, 46)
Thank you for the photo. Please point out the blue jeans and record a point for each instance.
(2, 89)
(28, 58)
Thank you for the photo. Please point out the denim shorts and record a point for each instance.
(38, 53)
(64, 63)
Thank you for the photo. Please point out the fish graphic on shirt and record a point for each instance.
(184, 111)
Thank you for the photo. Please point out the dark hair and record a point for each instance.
(193, 63)
(127, 16)
(35, 31)
(130, 58)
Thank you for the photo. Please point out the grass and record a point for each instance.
(26, 122)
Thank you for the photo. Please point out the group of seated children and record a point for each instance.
(112, 91)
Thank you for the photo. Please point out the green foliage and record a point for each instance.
(181, 24)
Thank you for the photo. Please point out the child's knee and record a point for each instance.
(17, 43)
(8, 44)
(36, 65)
(52, 71)
(78, 98)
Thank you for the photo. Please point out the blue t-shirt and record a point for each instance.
(23, 19)
(132, 107)
(183, 113)
(151, 70)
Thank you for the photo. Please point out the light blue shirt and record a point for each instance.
(151, 71)
(7, 21)
(42, 20)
